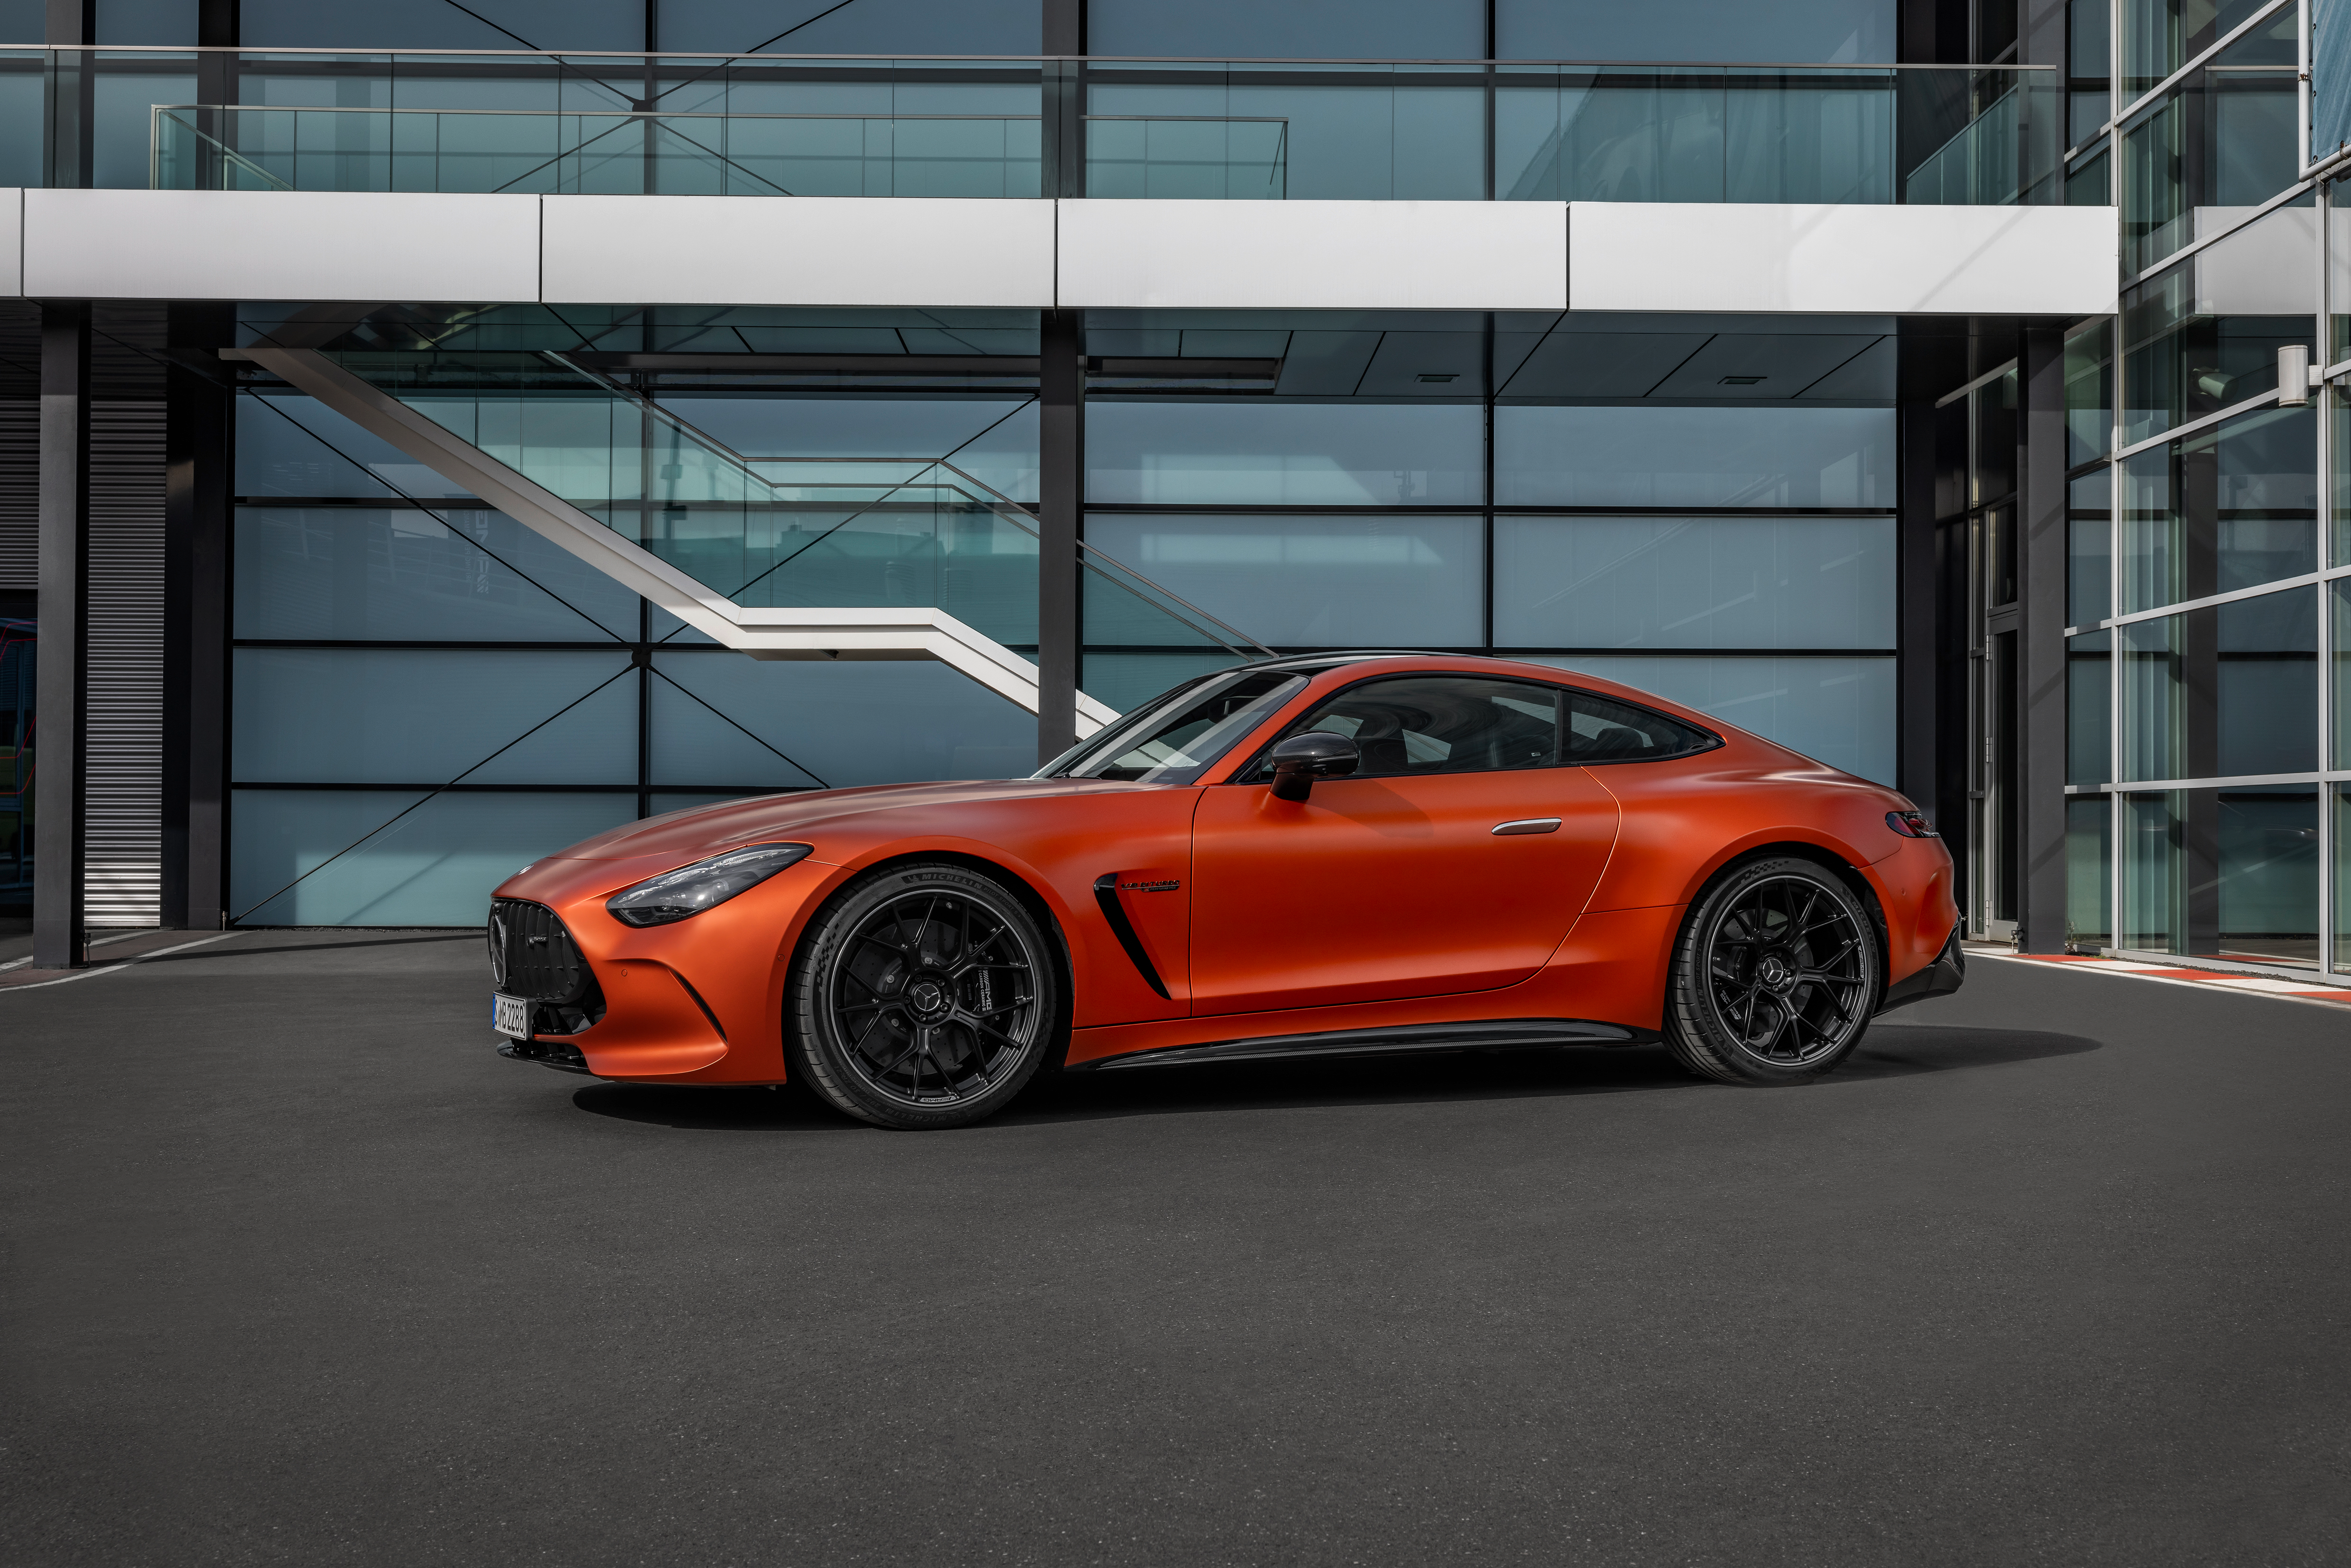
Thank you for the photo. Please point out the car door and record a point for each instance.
(1396, 882)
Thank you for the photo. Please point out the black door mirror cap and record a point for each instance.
(1301, 759)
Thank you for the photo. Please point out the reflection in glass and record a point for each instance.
(434, 866)
(2231, 506)
(353, 573)
(2205, 335)
(2161, 35)
(2227, 136)
(1650, 456)
(1694, 582)
(2089, 872)
(2223, 874)
(2338, 507)
(2089, 702)
(2341, 876)
(1822, 30)
(1303, 581)
(1247, 134)
(1995, 438)
(2338, 596)
(2089, 548)
(1195, 452)
(2227, 691)
(2089, 392)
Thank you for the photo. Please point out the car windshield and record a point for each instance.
(1174, 738)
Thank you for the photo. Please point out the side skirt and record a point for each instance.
(1488, 1034)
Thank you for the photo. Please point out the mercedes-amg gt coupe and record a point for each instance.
(1339, 855)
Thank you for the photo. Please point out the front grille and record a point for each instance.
(531, 954)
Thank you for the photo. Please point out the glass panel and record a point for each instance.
(829, 27)
(2338, 549)
(1125, 681)
(1450, 724)
(352, 573)
(1840, 710)
(1994, 443)
(1307, 582)
(2229, 507)
(839, 722)
(1824, 30)
(2342, 878)
(2089, 873)
(124, 90)
(332, 715)
(2187, 357)
(434, 866)
(2089, 393)
(2089, 548)
(1694, 582)
(2227, 691)
(23, 114)
(1296, 29)
(289, 445)
(2225, 138)
(2161, 35)
(1547, 456)
(1245, 134)
(2089, 703)
(1602, 730)
(2339, 601)
(2000, 556)
(434, 24)
(2224, 874)
(1341, 455)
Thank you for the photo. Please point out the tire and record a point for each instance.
(1774, 976)
(924, 996)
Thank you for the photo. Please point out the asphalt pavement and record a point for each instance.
(297, 1270)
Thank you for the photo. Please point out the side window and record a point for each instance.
(1600, 730)
(1443, 724)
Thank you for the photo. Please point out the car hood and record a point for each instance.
(706, 830)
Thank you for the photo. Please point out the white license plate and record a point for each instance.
(510, 1015)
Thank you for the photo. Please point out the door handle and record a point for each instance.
(1526, 825)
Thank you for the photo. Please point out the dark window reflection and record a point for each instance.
(2227, 691)
(2229, 507)
(2223, 874)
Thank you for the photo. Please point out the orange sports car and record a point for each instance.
(1335, 855)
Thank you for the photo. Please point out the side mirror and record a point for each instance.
(1303, 758)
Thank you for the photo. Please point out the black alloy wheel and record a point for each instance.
(1775, 975)
(925, 996)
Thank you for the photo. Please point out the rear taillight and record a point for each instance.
(1911, 824)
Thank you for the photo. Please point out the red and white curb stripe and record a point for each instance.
(2214, 980)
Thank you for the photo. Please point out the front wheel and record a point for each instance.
(924, 996)
(1774, 976)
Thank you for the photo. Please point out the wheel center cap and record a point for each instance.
(926, 997)
(1775, 973)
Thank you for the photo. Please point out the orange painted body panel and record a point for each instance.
(1377, 902)
(1328, 900)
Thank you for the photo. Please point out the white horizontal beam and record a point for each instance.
(1808, 258)
(1709, 258)
(1349, 256)
(280, 244)
(798, 250)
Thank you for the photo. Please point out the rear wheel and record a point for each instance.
(1774, 976)
(924, 996)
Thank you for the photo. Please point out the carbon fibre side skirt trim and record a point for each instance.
(1106, 897)
(1392, 1041)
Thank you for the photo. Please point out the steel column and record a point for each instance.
(2041, 622)
(196, 455)
(1060, 491)
(59, 937)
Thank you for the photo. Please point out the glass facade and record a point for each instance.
(2207, 696)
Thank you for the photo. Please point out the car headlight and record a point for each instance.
(690, 889)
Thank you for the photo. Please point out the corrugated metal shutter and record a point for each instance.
(20, 493)
(123, 880)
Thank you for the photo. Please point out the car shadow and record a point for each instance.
(1890, 1051)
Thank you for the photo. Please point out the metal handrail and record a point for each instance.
(1465, 60)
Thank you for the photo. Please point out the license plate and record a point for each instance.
(510, 1015)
